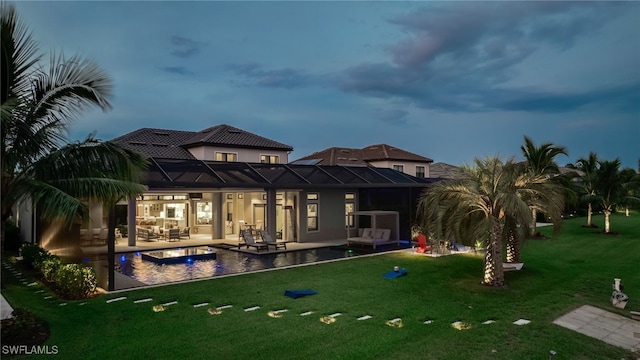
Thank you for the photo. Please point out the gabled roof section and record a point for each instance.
(160, 143)
(388, 152)
(361, 157)
(226, 135)
(333, 156)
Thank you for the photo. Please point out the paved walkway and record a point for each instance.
(603, 325)
(5, 308)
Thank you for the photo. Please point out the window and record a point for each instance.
(228, 157)
(269, 159)
(420, 171)
(203, 213)
(398, 168)
(312, 212)
(349, 206)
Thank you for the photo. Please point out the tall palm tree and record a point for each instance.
(540, 160)
(589, 167)
(479, 206)
(38, 105)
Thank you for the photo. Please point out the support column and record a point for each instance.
(131, 222)
(271, 212)
(217, 217)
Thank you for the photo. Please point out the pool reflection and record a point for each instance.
(226, 262)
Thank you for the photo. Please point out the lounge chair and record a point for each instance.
(249, 241)
(185, 233)
(266, 238)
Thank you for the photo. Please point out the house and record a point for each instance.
(380, 155)
(221, 180)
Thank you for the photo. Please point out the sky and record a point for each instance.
(451, 81)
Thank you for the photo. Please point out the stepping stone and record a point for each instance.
(116, 299)
(62, 304)
(142, 300)
(224, 307)
(170, 303)
(366, 317)
(252, 308)
(334, 315)
(39, 291)
(521, 322)
(307, 313)
(48, 297)
(488, 322)
(32, 284)
(427, 322)
(200, 305)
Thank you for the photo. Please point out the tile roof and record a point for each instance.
(160, 143)
(334, 156)
(443, 170)
(173, 144)
(231, 136)
(388, 152)
(350, 156)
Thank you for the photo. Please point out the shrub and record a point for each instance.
(33, 255)
(50, 267)
(76, 281)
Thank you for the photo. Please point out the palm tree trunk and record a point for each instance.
(493, 271)
(513, 248)
(589, 210)
(534, 230)
(607, 223)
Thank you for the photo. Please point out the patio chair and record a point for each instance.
(185, 232)
(249, 241)
(267, 239)
(174, 234)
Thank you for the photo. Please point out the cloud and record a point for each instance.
(184, 47)
(179, 70)
(280, 78)
(459, 56)
(391, 116)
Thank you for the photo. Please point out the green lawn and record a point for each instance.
(560, 274)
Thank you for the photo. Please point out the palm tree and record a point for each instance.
(540, 160)
(480, 206)
(37, 108)
(589, 167)
(611, 190)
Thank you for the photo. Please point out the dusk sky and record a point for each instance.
(447, 80)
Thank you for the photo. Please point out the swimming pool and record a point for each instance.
(226, 262)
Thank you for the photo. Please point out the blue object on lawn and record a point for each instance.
(394, 274)
(298, 293)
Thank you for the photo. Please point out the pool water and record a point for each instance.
(226, 262)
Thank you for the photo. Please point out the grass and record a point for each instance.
(574, 268)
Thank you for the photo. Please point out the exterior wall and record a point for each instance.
(409, 167)
(331, 215)
(244, 155)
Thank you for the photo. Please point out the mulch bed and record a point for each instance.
(24, 329)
